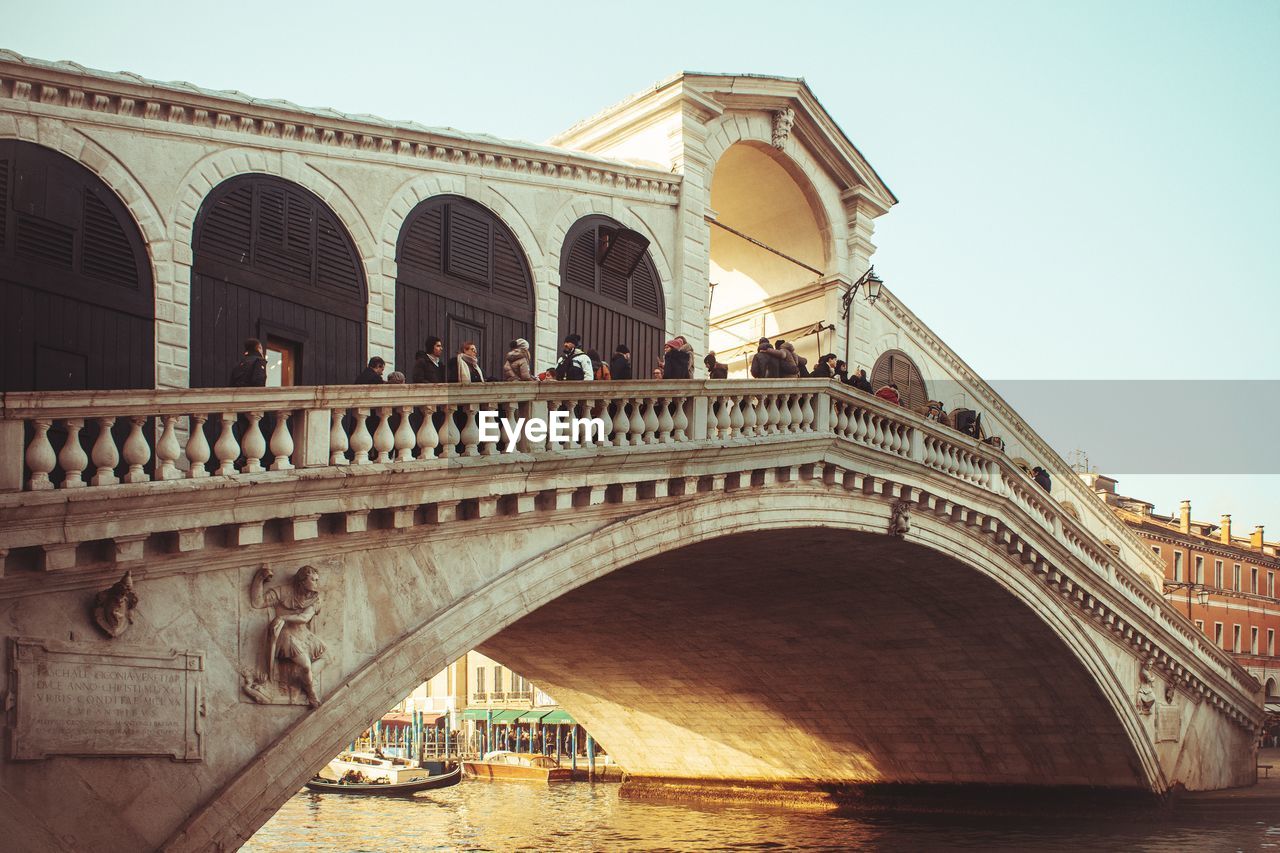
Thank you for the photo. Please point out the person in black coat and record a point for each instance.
(859, 381)
(1041, 477)
(677, 360)
(715, 370)
(767, 361)
(430, 367)
(826, 368)
(620, 363)
(251, 370)
(372, 375)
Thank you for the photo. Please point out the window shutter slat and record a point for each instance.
(105, 252)
(41, 240)
(468, 255)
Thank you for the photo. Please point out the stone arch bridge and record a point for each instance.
(744, 582)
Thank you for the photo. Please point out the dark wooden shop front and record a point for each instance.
(273, 262)
(462, 276)
(610, 292)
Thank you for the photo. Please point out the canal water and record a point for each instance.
(579, 816)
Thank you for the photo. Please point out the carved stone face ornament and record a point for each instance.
(900, 522)
(782, 121)
(1146, 698)
(113, 607)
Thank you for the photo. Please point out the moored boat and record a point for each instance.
(374, 767)
(501, 765)
(384, 788)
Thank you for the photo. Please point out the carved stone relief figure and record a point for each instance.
(900, 523)
(1146, 698)
(113, 607)
(290, 650)
(782, 121)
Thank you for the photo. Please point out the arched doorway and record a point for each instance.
(897, 367)
(76, 279)
(610, 292)
(769, 249)
(272, 261)
(462, 275)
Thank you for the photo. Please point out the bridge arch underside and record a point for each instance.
(820, 657)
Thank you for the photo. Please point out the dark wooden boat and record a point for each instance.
(387, 789)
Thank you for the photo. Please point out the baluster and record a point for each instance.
(197, 448)
(749, 419)
(105, 456)
(40, 456)
(383, 439)
(572, 408)
(723, 422)
(253, 446)
(679, 419)
(665, 422)
(806, 414)
(875, 431)
(637, 422)
(73, 459)
(736, 420)
(361, 440)
(860, 426)
(404, 435)
(491, 447)
(470, 432)
(428, 438)
(226, 448)
(338, 439)
(450, 438)
(650, 421)
(766, 415)
(167, 450)
(841, 420)
(797, 414)
(607, 440)
(282, 443)
(931, 451)
(137, 453)
(784, 413)
(621, 424)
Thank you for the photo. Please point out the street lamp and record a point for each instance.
(873, 283)
(1201, 591)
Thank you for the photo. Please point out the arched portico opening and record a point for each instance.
(770, 247)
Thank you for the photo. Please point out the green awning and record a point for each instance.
(556, 718)
(534, 715)
(506, 716)
(476, 714)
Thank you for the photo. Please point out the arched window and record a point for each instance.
(273, 262)
(74, 276)
(610, 292)
(462, 276)
(894, 366)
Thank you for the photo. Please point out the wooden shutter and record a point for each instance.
(105, 252)
(44, 241)
(4, 204)
(470, 244)
(896, 367)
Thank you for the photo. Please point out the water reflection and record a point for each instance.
(486, 816)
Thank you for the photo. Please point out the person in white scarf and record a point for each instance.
(469, 363)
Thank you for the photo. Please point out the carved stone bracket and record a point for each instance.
(113, 607)
(783, 119)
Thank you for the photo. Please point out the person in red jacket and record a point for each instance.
(890, 392)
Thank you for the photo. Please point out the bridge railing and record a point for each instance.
(104, 441)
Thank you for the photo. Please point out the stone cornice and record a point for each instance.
(711, 94)
(31, 86)
(923, 336)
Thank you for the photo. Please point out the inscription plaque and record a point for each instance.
(77, 700)
(1168, 723)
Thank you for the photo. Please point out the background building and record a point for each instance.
(1225, 584)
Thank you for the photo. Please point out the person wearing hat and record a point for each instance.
(1042, 479)
(516, 366)
(767, 362)
(620, 363)
(715, 370)
(677, 359)
(574, 364)
(826, 368)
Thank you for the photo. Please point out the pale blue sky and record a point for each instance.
(1086, 189)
